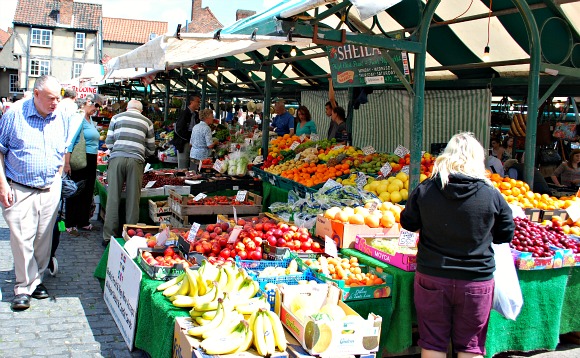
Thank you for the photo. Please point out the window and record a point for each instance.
(80, 41)
(77, 69)
(39, 67)
(14, 87)
(41, 37)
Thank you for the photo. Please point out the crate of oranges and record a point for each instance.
(357, 282)
(312, 175)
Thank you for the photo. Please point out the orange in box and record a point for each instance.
(344, 234)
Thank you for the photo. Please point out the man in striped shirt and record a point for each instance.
(131, 140)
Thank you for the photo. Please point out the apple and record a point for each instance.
(225, 226)
(169, 252)
(271, 240)
(218, 230)
(131, 232)
(241, 222)
(210, 227)
(151, 243)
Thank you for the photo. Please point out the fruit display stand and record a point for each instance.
(550, 300)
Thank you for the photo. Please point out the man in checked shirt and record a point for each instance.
(32, 148)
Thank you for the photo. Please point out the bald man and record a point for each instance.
(131, 140)
(32, 148)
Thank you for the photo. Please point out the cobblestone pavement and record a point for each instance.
(75, 321)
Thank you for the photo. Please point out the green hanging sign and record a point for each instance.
(359, 66)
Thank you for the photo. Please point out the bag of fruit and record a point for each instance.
(507, 295)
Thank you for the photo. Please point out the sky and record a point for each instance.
(172, 11)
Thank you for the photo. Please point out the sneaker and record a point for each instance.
(53, 266)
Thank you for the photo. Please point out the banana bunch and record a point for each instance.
(268, 332)
(518, 126)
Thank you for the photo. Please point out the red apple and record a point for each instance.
(241, 222)
(225, 226)
(131, 232)
(210, 227)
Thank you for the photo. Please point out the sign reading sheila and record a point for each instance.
(357, 66)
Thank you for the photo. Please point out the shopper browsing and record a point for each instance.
(32, 148)
(305, 124)
(131, 140)
(339, 118)
(86, 136)
(569, 171)
(183, 126)
(458, 214)
(201, 140)
(283, 123)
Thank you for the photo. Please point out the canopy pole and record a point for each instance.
(418, 99)
(217, 95)
(350, 113)
(266, 112)
(203, 90)
(166, 107)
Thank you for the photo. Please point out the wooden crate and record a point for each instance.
(159, 211)
(178, 205)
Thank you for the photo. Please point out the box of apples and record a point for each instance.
(164, 263)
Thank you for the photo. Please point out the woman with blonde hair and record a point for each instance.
(458, 214)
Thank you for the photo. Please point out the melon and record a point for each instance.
(334, 311)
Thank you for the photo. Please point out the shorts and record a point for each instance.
(452, 309)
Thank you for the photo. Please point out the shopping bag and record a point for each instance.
(507, 295)
(566, 131)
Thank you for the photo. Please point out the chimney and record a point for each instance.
(195, 8)
(242, 14)
(66, 12)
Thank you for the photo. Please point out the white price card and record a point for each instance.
(259, 159)
(218, 165)
(338, 147)
(248, 141)
(256, 135)
(234, 234)
(314, 137)
(272, 181)
(386, 169)
(147, 168)
(401, 151)
(199, 197)
(302, 137)
(235, 214)
(361, 179)
(150, 184)
(162, 237)
(241, 195)
(408, 238)
(297, 157)
(330, 247)
(373, 206)
(233, 147)
(405, 169)
(368, 150)
(294, 145)
(192, 233)
(574, 211)
(331, 183)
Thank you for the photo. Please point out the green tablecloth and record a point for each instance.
(160, 165)
(550, 309)
(272, 194)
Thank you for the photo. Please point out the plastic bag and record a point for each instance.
(507, 295)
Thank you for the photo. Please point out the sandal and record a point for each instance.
(87, 228)
(72, 231)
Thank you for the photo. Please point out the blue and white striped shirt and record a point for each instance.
(33, 146)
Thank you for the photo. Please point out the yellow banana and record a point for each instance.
(201, 285)
(225, 344)
(248, 339)
(278, 329)
(183, 301)
(192, 279)
(253, 306)
(171, 282)
(222, 278)
(230, 321)
(268, 333)
(198, 331)
(184, 288)
(211, 305)
(209, 272)
(172, 290)
(193, 313)
(208, 314)
(202, 321)
(259, 339)
(231, 273)
(248, 289)
(209, 296)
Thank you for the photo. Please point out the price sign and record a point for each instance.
(218, 166)
(368, 150)
(574, 211)
(401, 151)
(162, 237)
(234, 234)
(361, 179)
(150, 184)
(233, 147)
(386, 169)
(405, 169)
(199, 197)
(259, 159)
(294, 145)
(248, 141)
(235, 214)
(408, 238)
(241, 195)
(339, 147)
(297, 157)
(330, 247)
(302, 137)
(314, 137)
(256, 135)
(373, 206)
(192, 233)
(272, 181)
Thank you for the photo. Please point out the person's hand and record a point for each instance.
(67, 169)
(6, 196)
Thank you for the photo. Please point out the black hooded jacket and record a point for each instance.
(457, 225)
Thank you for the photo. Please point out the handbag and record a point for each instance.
(507, 295)
(78, 157)
(549, 156)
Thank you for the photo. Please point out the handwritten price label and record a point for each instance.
(405, 169)
(401, 151)
(150, 184)
(368, 150)
(218, 166)
(199, 197)
(408, 238)
(259, 159)
(234, 234)
(338, 147)
(241, 195)
(386, 169)
(361, 180)
(302, 137)
(373, 206)
(294, 145)
(330, 247)
(330, 183)
(162, 237)
(192, 232)
(314, 137)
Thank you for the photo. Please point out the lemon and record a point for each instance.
(392, 188)
(385, 196)
(382, 188)
(402, 176)
(396, 197)
(399, 183)
(404, 194)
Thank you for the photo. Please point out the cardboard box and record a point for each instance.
(178, 205)
(344, 234)
(295, 350)
(185, 346)
(534, 215)
(152, 229)
(355, 293)
(161, 272)
(407, 262)
(352, 336)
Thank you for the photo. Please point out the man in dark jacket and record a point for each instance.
(183, 126)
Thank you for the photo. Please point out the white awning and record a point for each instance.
(167, 52)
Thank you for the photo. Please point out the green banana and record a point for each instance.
(225, 344)
(199, 330)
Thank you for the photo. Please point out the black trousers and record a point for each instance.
(78, 208)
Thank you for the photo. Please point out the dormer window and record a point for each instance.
(152, 36)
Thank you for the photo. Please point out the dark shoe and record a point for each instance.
(105, 243)
(40, 292)
(21, 302)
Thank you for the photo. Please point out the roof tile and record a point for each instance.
(205, 21)
(77, 15)
(131, 31)
(4, 36)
